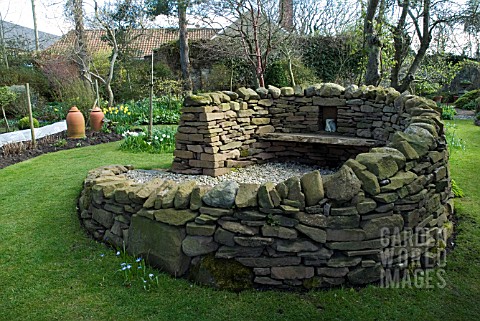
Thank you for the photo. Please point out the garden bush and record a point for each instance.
(163, 141)
(448, 112)
(166, 111)
(277, 74)
(77, 93)
(20, 75)
(24, 123)
(468, 100)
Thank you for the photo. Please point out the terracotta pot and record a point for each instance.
(438, 99)
(75, 123)
(96, 119)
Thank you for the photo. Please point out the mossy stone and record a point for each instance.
(197, 100)
(222, 274)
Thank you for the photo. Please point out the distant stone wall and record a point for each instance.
(223, 130)
(386, 211)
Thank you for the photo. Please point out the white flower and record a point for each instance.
(138, 259)
(168, 136)
(156, 137)
(118, 253)
(161, 139)
(163, 135)
(151, 275)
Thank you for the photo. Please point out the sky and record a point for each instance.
(49, 13)
(50, 16)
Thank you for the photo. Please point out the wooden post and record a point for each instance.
(30, 114)
(150, 121)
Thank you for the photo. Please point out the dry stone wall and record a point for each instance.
(385, 210)
(223, 130)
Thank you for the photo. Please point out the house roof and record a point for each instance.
(143, 44)
(19, 37)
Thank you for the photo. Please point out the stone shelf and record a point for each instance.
(323, 138)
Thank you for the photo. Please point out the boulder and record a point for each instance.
(316, 234)
(420, 145)
(274, 91)
(160, 244)
(247, 93)
(383, 226)
(182, 197)
(268, 196)
(343, 185)
(383, 165)
(222, 274)
(174, 217)
(395, 153)
(222, 195)
(331, 90)
(262, 92)
(246, 195)
(312, 187)
(287, 91)
(365, 275)
(197, 100)
(198, 245)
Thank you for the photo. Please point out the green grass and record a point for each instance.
(51, 270)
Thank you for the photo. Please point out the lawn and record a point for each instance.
(50, 269)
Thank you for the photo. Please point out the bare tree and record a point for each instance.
(74, 9)
(251, 26)
(325, 17)
(179, 8)
(119, 21)
(2, 43)
(35, 29)
(412, 25)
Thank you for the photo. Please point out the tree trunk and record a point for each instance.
(108, 81)
(184, 48)
(2, 43)
(80, 42)
(399, 45)
(372, 45)
(425, 39)
(260, 70)
(35, 29)
(286, 14)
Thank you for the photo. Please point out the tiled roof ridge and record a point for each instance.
(148, 40)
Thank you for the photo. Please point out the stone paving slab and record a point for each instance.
(320, 139)
(24, 135)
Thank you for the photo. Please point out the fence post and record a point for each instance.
(30, 114)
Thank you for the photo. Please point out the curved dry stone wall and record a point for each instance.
(385, 211)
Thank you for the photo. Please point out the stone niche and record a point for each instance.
(384, 211)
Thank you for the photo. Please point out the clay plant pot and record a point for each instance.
(96, 119)
(75, 123)
(438, 99)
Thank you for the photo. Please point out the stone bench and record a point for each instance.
(321, 138)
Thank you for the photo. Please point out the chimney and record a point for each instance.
(286, 14)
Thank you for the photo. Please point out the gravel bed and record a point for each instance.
(254, 174)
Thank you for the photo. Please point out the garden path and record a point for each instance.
(24, 135)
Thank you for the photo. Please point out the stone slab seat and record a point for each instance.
(322, 138)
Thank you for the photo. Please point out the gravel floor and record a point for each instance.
(257, 174)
